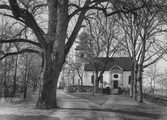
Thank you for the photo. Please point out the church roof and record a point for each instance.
(123, 62)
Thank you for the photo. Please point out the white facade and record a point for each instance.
(123, 79)
(88, 74)
(87, 78)
(126, 75)
(116, 73)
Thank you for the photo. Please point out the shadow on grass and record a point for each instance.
(18, 117)
(121, 113)
(98, 99)
(23, 101)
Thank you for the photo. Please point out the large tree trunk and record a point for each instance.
(54, 55)
(49, 77)
(47, 96)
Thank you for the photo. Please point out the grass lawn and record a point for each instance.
(30, 117)
(126, 108)
(144, 111)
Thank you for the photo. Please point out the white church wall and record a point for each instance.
(88, 74)
(87, 78)
(76, 79)
(126, 75)
(106, 76)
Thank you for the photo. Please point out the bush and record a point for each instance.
(106, 90)
(74, 88)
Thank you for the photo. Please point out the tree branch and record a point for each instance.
(29, 20)
(37, 7)
(20, 52)
(21, 40)
(76, 29)
(5, 7)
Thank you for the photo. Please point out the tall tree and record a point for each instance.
(152, 74)
(97, 41)
(141, 30)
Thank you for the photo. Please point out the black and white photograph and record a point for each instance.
(83, 59)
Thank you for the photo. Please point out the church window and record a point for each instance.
(116, 76)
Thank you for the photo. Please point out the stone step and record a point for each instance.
(114, 91)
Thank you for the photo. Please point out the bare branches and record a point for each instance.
(35, 8)
(76, 29)
(5, 7)
(21, 40)
(29, 21)
(20, 52)
(15, 8)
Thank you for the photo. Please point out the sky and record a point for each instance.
(162, 64)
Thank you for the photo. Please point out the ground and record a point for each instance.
(84, 106)
(125, 108)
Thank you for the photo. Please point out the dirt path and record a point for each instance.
(74, 108)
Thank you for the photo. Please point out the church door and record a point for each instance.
(115, 84)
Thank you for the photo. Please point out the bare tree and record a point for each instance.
(162, 82)
(152, 75)
(25, 62)
(15, 75)
(78, 67)
(141, 30)
(97, 41)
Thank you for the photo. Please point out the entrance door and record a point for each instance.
(115, 84)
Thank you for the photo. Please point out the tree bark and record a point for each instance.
(54, 55)
(26, 78)
(35, 84)
(140, 95)
(5, 80)
(132, 78)
(25, 90)
(135, 81)
(96, 82)
(15, 77)
(47, 95)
